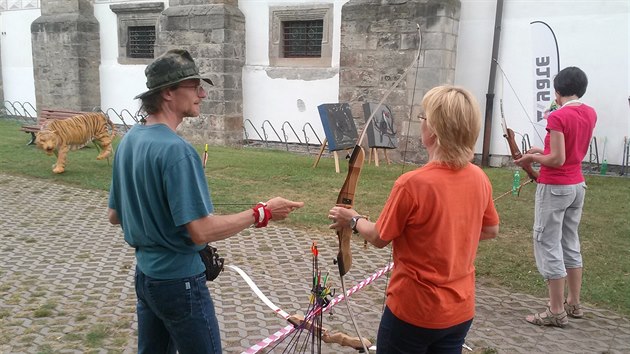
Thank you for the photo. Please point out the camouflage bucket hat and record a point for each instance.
(172, 67)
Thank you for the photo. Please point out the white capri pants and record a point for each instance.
(558, 210)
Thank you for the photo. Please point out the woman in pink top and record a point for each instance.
(434, 217)
(560, 198)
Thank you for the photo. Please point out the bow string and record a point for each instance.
(509, 134)
(348, 190)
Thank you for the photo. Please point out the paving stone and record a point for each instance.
(69, 257)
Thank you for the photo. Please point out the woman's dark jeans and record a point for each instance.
(397, 336)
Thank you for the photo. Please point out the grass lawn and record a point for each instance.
(240, 177)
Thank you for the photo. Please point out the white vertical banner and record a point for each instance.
(546, 64)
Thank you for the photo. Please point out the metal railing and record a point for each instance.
(306, 136)
(625, 156)
(593, 155)
(130, 121)
(287, 130)
(525, 143)
(20, 111)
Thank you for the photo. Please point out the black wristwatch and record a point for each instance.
(353, 222)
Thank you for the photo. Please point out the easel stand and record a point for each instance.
(321, 151)
(375, 152)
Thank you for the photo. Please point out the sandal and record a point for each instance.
(547, 318)
(574, 311)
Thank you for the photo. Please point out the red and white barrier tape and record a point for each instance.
(279, 335)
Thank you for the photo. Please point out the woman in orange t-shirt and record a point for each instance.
(434, 218)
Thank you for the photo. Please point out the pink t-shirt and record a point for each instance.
(577, 124)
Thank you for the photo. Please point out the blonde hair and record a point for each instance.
(453, 115)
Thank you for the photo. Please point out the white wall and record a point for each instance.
(593, 35)
(17, 55)
(281, 100)
(119, 83)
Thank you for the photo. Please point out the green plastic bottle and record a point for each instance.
(604, 168)
(516, 182)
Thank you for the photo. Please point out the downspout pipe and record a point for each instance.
(487, 131)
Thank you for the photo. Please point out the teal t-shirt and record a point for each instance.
(158, 186)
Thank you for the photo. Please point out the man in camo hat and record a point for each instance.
(159, 195)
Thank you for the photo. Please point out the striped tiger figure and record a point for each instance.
(59, 136)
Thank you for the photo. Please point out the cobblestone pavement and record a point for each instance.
(67, 285)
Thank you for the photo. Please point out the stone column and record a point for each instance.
(66, 55)
(213, 31)
(379, 40)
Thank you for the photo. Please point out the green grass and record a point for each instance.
(97, 334)
(240, 177)
(45, 310)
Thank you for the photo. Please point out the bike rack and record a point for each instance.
(255, 130)
(286, 139)
(626, 156)
(26, 113)
(107, 113)
(131, 116)
(286, 125)
(306, 136)
(525, 143)
(13, 110)
(110, 112)
(265, 132)
(122, 118)
(593, 155)
(20, 112)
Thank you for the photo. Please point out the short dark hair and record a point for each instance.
(570, 81)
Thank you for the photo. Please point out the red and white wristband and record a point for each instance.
(262, 215)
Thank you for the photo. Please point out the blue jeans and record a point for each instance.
(176, 315)
(397, 336)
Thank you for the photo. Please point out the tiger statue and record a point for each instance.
(58, 136)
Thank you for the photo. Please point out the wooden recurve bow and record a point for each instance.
(347, 192)
(346, 195)
(508, 134)
(328, 336)
(346, 200)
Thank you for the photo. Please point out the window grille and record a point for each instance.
(302, 39)
(141, 41)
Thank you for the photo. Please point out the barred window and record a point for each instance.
(302, 39)
(141, 41)
(301, 36)
(137, 31)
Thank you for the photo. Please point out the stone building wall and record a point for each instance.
(214, 34)
(379, 40)
(66, 55)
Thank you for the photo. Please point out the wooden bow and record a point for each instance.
(508, 134)
(346, 194)
(330, 337)
(346, 200)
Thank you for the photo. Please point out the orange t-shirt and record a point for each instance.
(434, 217)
